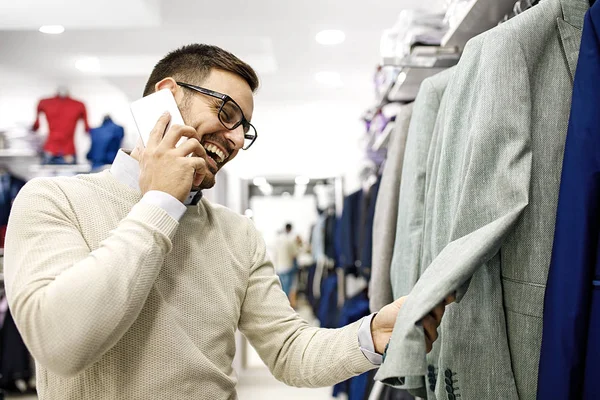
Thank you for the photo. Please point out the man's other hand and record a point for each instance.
(383, 323)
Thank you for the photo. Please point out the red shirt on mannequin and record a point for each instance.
(62, 114)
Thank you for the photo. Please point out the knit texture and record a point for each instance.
(117, 300)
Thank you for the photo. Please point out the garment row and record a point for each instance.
(468, 205)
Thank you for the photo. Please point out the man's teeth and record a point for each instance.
(215, 150)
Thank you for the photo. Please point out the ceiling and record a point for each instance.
(276, 37)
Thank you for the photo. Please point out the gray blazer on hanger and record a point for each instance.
(386, 212)
(408, 263)
(406, 260)
(494, 200)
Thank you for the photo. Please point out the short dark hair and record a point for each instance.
(288, 227)
(193, 63)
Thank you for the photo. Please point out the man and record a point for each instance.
(127, 285)
(286, 251)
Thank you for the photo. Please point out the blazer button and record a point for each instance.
(448, 381)
(432, 387)
(451, 396)
(431, 369)
(448, 373)
(449, 389)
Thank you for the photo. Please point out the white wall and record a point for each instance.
(272, 213)
(318, 140)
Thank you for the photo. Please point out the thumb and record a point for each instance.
(400, 302)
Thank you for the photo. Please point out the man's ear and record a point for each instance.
(171, 84)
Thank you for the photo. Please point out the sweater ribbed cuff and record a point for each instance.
(155, 217)
(358, 363)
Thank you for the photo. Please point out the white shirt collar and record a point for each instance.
(126, 170)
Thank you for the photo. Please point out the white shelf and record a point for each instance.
(383, 139)
(409, 81)
(16, 153)
(426, 57)
(480, 17)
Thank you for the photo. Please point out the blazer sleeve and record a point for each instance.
(386, 212)
(406, 260)
(490, 119)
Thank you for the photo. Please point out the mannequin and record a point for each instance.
(62, 113)
(106, 141)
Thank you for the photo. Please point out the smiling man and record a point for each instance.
(128, 285)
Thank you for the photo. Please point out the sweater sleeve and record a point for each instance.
(71, 304)
(296, 354)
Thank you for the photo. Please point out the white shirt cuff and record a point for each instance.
(170, 204)
(365, 341)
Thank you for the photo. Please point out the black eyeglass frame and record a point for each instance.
(225, 98)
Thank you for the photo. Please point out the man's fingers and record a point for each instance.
(176, 132)
(438, 312)
(450, 299)
(158, 132)
(199, 165)
(430, 327)
(191, 146)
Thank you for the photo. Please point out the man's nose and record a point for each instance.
(236, 137)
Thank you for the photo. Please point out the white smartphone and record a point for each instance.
(147, 110)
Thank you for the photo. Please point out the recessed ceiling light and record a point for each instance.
(52, 29)
(88, 64)
(329, 78)
(330, 37)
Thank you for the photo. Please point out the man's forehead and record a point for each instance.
(232, 85)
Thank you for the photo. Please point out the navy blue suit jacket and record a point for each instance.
(570, 358)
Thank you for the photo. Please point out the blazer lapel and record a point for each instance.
(570, 29)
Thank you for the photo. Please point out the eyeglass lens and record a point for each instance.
(231, 115)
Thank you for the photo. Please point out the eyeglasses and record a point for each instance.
(230, 114)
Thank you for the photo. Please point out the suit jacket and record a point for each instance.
(386, 212)
(365, 245)
(570, 357)
(406, 266)
(494, 200)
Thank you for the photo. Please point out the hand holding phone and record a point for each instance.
(165, 162)
(147, 110)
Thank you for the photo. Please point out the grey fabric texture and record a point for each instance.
(386, 213)
(406, 259)
(491, 208)
(406, 266)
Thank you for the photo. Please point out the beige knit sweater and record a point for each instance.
(117, 300)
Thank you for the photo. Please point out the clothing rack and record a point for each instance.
(480, 17)
(422, 63)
